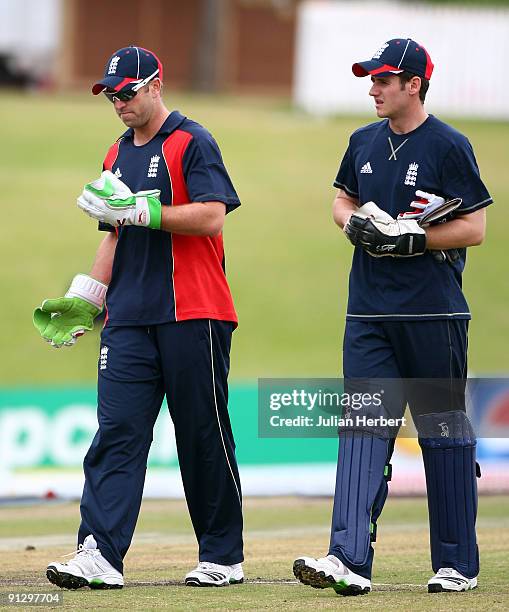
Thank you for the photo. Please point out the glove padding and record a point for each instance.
(61, 321)
(429, 207)
(380, 235)
(111, 201)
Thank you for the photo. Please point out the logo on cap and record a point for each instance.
(112, 69)
(380, 51)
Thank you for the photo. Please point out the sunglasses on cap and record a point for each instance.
(125, 96)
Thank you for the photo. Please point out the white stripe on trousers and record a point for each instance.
(217, 414)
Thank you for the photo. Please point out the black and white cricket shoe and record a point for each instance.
(329, 572)
(449, 580)
(207, 574)
(88, 568)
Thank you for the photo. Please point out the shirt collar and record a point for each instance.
(172, 122)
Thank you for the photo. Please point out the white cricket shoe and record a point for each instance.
(329, 572)
(87, 568)
(448, 579)
(208, 574)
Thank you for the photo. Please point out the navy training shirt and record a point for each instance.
(158, 276)
(387, 168)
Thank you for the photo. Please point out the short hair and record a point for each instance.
(405, 76)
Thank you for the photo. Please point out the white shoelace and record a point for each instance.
(82, 549)
(85, 558)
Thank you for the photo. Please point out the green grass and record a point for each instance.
(277, 530)
(287, 263)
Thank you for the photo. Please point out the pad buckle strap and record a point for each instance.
(372, 532)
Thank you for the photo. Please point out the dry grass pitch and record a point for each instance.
(277, 530)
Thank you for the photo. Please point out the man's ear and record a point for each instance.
(414, 85)
(156, 87)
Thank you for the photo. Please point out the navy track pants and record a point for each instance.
(188, 362)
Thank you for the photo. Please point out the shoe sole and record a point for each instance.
(438, 588)
(194, 582)
(320, 580)
(71, 582)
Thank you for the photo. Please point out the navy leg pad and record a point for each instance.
(448, 444)
(361, 490)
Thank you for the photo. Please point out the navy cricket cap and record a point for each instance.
(395, 56)
(129, 66)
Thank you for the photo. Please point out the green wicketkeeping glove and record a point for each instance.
(111, 201)
(61, 321)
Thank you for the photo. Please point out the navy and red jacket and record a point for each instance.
(158, 276)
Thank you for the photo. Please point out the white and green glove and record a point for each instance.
(111, 201)
(61, 321)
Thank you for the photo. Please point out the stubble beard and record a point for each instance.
(132, 120)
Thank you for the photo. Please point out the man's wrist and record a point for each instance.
(154, 206)
(343, 217)
(88, 289)
(148, 211)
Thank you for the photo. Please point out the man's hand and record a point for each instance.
(111, 201)
(380, 235)
(61, 321)
(429, 207)
(108, 185)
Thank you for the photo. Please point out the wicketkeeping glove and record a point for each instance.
(111, 201)
(61, 321)
(381, 235)
(429, 207)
